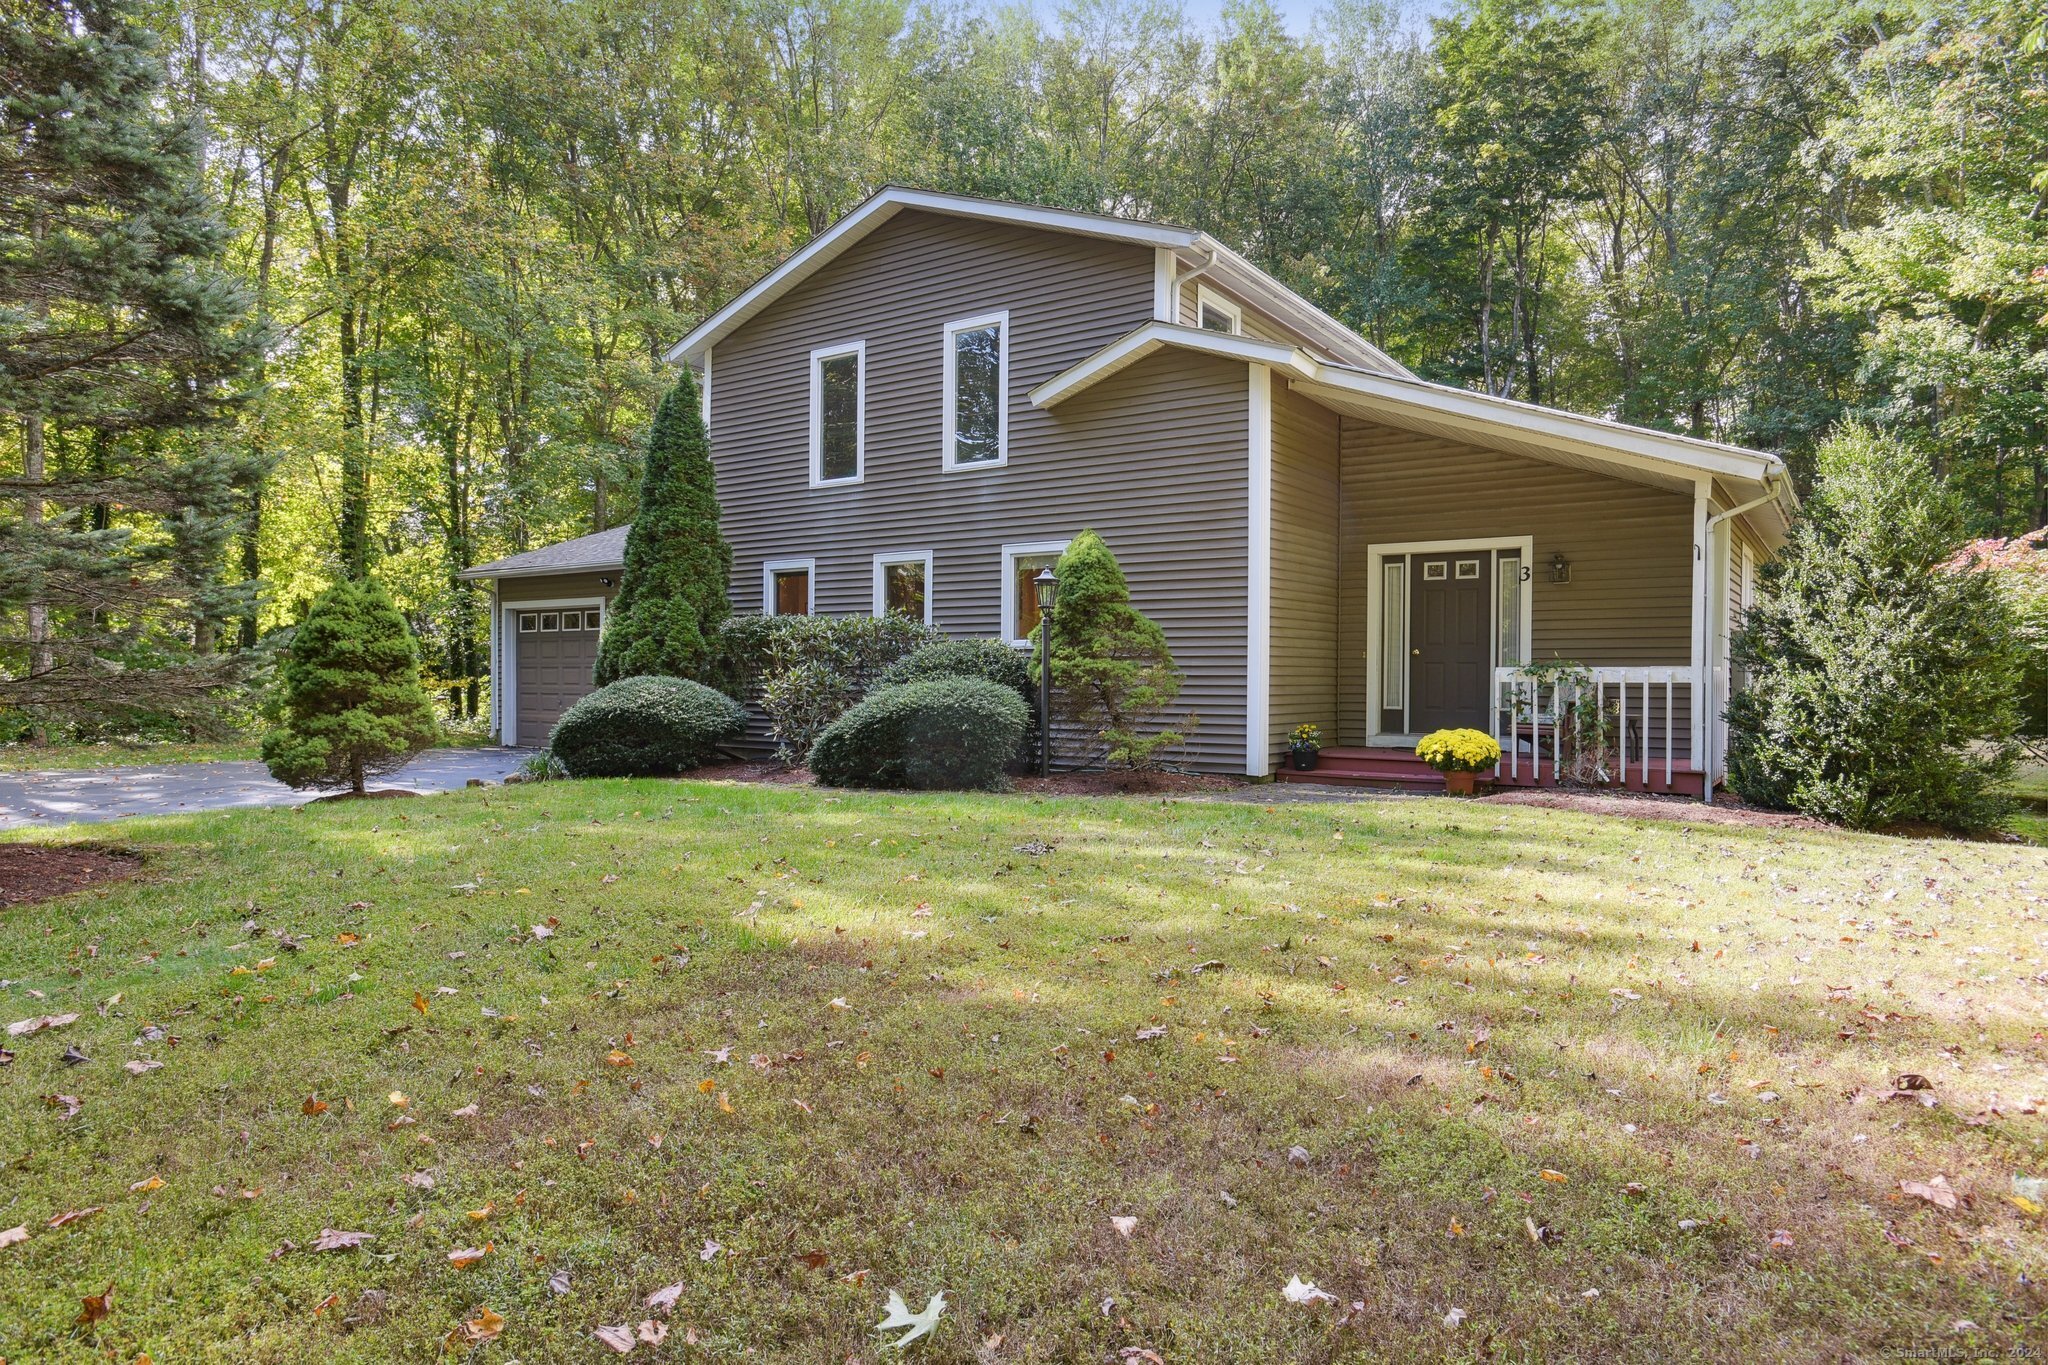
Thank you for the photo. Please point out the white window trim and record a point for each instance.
(1001, 321)
(859, 351)
(883, 561)
(1205, 297)
(1010, 554)
(506, 689)
(770, 568)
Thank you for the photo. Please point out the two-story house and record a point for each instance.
(917, 410)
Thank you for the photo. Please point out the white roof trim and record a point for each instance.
(1659, 452)
(1228, 268)
(1134, 346)
(886, 204)
(1601, 436)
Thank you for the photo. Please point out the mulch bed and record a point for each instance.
(37, 872)
(1726, 810)
(1059, 784)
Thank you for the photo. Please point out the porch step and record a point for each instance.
(1368, 766)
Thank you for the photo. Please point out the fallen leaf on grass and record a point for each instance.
(1555, 1177)
(464, 1257)
(1124, 1226)
(140, 1066)
(9, 1236)
(1935, 1191)
(467, 1111)
(96, 1306)
(1455, 1316)
(155, 1182)
(708, 1250)
(1298, 1290)
(662, 1300)
(485, 1326)
(652, 1332)
(74, 1215)
(897, 1314)
(313, 1106)
(70, 1104)
(1781, 1239)
(619, 1338)
(26, 1028)
(333, 1239)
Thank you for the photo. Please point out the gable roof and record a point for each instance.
(1202, 252)
(604, 550)
(1641, 454)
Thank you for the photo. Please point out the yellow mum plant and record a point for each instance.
(1458, 751)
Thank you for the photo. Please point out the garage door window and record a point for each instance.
(529, 622)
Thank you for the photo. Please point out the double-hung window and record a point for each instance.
(977, 432)
(838, 412)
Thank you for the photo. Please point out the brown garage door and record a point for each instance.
(556, 652)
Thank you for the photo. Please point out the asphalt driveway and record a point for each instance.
(58, 797)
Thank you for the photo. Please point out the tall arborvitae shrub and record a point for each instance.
(673, 594)
(1112, 673)
(353, 704)
(1882, 675)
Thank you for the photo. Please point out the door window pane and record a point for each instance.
(1025, 568)
(839, 417)
(1394, 636)
(903, 589)
(977, 394)
(792, 592)
(1511, 652)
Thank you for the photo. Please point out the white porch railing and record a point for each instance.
(1647, 734)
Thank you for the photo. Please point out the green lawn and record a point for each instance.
(1611, 1089)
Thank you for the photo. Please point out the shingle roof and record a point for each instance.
(605, 550)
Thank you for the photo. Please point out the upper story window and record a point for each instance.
(977, 431)
(786, 587)
(1216, 313)
(838, 403)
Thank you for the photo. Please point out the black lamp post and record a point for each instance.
(1047, 586)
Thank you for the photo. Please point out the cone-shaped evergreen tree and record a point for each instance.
(1882, 677)
(672, 595)
(1111, 668)
(354, 706)
(119, 330)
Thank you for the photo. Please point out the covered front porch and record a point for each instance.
(1442, 565)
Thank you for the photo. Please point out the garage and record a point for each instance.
(548, 611)
(554, 653)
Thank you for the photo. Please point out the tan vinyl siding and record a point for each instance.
(1305, 613)
(1155, 459)
(554, 587)
(1630, 547)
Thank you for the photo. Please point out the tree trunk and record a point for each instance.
(355, 773)
(40, 657)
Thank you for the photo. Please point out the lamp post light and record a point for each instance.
(1047, 586)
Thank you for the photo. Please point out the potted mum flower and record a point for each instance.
(1458, 755)
(1304, 742)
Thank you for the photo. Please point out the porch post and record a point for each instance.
(1701, 759)
(497, 690)
(1259, 575)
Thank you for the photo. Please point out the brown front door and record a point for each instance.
(1450, 638)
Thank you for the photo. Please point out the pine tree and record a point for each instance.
(119, 337)
(1883, 671)
(353, 702)
(1111, 669)
(673, 594)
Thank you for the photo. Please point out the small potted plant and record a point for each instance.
(1458, 755)
(1304, 742)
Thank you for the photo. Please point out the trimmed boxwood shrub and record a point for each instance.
(940, 733)
(990, 659)
(645, 726)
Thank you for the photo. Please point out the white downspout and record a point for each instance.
(1707, 662)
